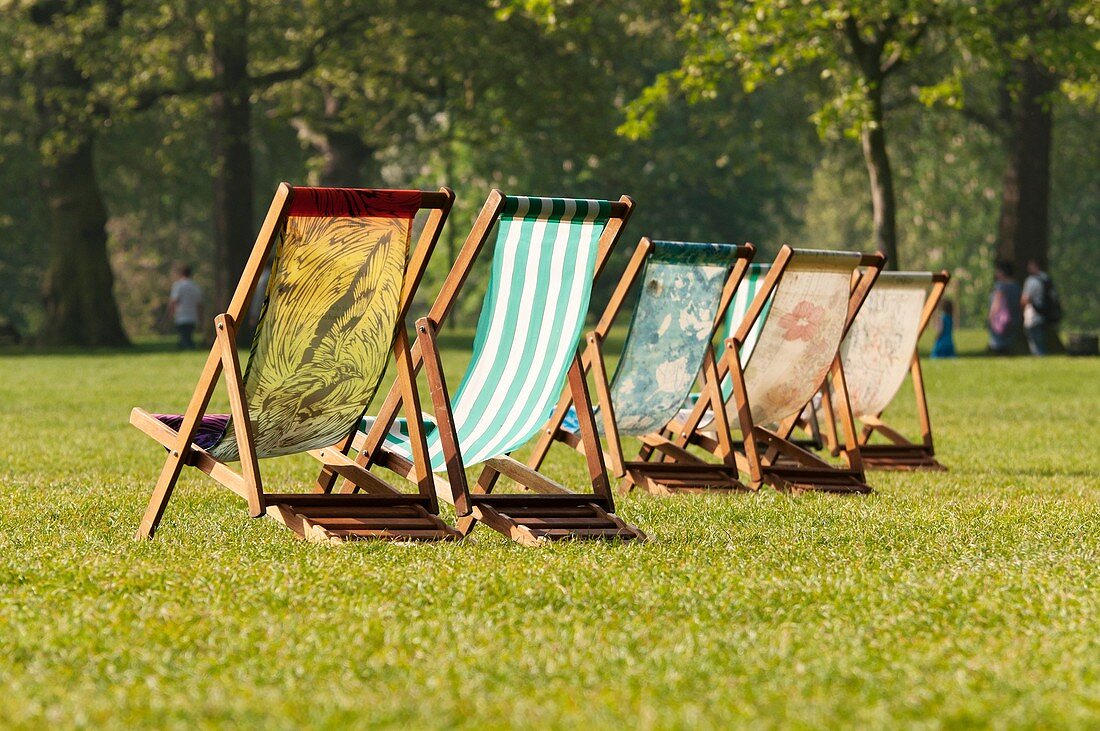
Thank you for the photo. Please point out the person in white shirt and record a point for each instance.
(1038, 300)
(185, 306)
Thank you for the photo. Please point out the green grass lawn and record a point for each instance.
(944, 600)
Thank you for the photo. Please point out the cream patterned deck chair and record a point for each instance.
(684, 293)
(706, 434)
(880, 347)
(547, 254)
(341, 282)
(811, 299)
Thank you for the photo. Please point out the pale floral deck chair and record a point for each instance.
(546, 256)
(341, 282)
(685, 289)
(810, 300)
(878, 351)
(743, 297)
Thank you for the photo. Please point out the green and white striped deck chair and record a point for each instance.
(546, 256)
(332, 319)
(684, 292)
(878, 351)
(810, 299)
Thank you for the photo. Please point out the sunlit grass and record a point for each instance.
(961, 599)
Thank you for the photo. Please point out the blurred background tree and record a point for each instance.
(136, 135)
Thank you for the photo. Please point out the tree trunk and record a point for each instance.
(345, 157)
(231, 109)
(883, 202)
(1023, 231)
(78, 287)
(346, 160)
(1024, 227)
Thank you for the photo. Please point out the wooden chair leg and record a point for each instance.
(162, 493)
(226, 331)
(166, 482)
(744, 413)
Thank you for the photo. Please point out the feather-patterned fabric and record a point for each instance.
(327, 324)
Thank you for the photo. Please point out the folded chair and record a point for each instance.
(341, 282)
(685, 291)
(547, 253)
(810, 300)
(878, 350)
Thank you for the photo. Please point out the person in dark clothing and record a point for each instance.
(1041, 307)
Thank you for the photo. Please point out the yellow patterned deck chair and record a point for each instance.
(547, 253)
(880, 347)
(811, 300)
(341, 282)
(682, 300)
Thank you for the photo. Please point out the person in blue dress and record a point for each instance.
(944, 347)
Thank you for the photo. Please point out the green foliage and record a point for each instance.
(966, 599)
(648, 97)
(761, 42)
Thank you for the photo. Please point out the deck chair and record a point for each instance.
(810, 298)
(341, 282)
(878, 350)
(746, 292)
(547, 254)
(685, 291)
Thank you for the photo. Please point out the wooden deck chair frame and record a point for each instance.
(656, 477)
(771, 457)
(382, 513)
(899, 453)
(554, 512)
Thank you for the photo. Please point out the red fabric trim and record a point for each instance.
(354, 202)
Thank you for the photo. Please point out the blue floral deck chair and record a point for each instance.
(879, 348)
(685, 289)
(809, 299)
(546, 256)
(332, 319)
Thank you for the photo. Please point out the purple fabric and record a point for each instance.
(209, 431)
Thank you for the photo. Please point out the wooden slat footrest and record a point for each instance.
(305, 499)
(899, 457)
(337, 518)
(809, 473)
(845, 482)
(506, 500)
(666, 478)
(533, 519)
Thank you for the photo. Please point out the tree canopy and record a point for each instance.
(943, 132)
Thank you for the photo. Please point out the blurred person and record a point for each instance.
(944, 347)
(185, 306)
(1004, 310)
(1041, 307)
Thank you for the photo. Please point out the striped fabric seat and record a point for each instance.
(539, 288)
(742, 298)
